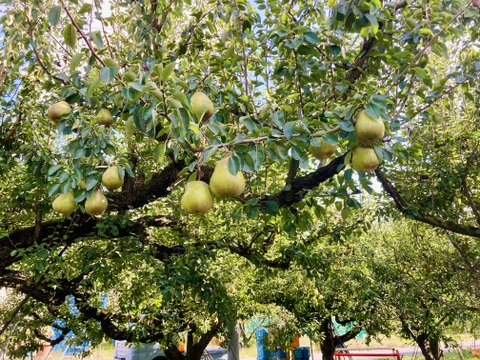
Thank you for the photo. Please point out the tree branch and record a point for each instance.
(405, 209)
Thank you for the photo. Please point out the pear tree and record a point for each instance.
(166, 91)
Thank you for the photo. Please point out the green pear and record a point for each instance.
(364, 159)
(367, 129)
(96, 204)
(81, 184)
(438, 118)
(129, 128)
(64, 203)
(129, 76)
(223, 183)
(197, 198)
(202, 106)
(111, 178)
(104, 117)
(323, 151)
(56, 111)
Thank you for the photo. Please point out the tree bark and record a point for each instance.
(195, 349)
(328, 344)
(429, 347)
(233, 341)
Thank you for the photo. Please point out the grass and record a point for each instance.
(106, 350)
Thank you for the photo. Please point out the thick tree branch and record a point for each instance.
(301, 185)
(405, 209)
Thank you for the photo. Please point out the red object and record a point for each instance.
(338, 354)
(44, 351)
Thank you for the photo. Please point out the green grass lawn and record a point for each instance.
(105, 351)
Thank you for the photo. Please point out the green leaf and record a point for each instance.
(159, 151)
(288, 129)
(372, 19)
(93, 86)
(79, 153)
(180, 96)
(91, 183)
(167, 71)
(53, 169)
(311, 38)
(70, 35)
(75, 61)
(421, 72)
(52, 190)
(107, 74)
(54, 15)
(346, 125)
(234, 164)
(97, 39)
(373, 111)
(272, 207)
(86, 8)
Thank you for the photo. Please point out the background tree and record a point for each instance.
(425, 282)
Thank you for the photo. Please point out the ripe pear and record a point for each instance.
(56, 111)
(367, 129)
(323, 151)
(96, 204)
(197, 198)
(64, 203)
(104, 117)
(111, 178)
(223, 183)
(202, 106)
(364, 159)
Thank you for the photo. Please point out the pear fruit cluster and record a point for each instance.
(323, 151)
(223, 183)
(199, 196)
(58, 110)
(202, 106)
(104, 117)
(64, 203)
(367, 129)
(111, 178)
(364, 159)
(96, 204)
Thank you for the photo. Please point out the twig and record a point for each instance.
(106, 38)
(84, 37)
(261, 139)
(420, 54)
(465, 186)
(245, 58)
(12, 129)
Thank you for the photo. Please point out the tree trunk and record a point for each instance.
(233, 341)
(172, 353)
(196, 345)
(429, 347)
(328, 343)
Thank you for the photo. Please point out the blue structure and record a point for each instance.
(70, 350)
(301, 353)
(261, 336)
